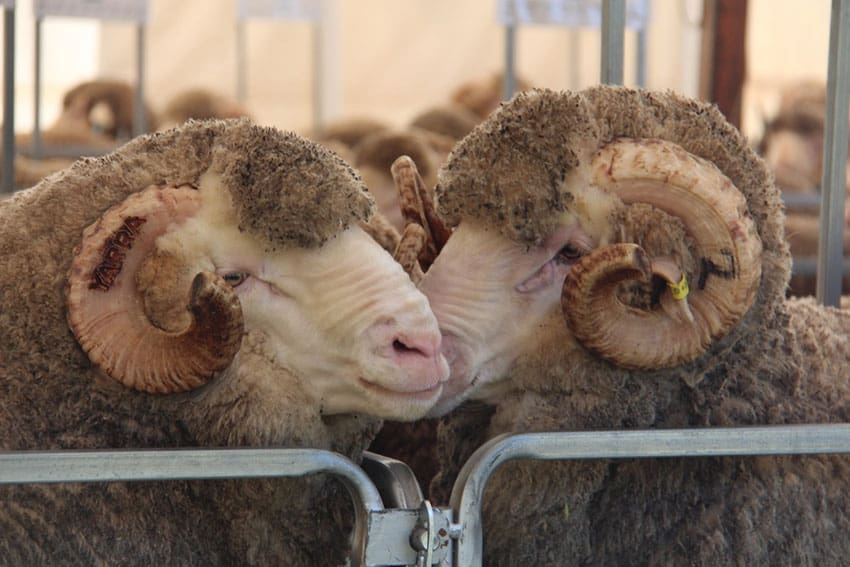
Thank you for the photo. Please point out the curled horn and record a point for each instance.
(728, 248)
(424, 232)
(107, 308)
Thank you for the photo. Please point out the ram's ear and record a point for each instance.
(727, 248)
(107, 309)
(424, 233)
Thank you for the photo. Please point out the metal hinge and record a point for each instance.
(410, 537)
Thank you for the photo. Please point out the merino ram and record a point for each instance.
(208, 286)
(614, 195)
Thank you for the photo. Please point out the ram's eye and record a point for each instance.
(569, 254)
(235, 278)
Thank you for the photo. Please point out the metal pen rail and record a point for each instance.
(831, 242)
(387, 536)
(7, 181)
(28, 467)
(468, 490)
(613, 49)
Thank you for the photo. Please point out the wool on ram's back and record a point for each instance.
(212, 285)
(522, 192)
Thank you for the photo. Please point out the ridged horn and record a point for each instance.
(417, 207)
(728, 249)
(106, 308)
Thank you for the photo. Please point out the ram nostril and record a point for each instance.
(402, 349)
(417, 356)
(425, 345)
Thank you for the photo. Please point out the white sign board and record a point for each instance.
(124, 10)
(571, 13)
(309, 10)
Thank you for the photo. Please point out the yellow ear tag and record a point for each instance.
(680, 290)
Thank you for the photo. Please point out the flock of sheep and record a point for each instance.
(604, 259)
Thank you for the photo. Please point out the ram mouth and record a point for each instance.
(424, 394)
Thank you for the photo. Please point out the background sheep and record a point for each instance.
(374, 155)
(109, 106)
(93, 114)
(484, 95)
(565, 174)
(199, 104)
(99, 115)
(208, 286)
(792, 146)
(372, 146)
(451, 120)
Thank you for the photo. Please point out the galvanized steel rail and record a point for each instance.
(7, 179)
(28, 467)
(469, 487)
(613, 42)
(831, 242)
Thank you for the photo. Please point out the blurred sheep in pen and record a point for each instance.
(792, 147)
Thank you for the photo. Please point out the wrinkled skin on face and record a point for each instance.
(490, 294)
(343, 319)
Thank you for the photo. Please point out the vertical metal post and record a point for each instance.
(613, 31)
(831, 243)
(8, 180)
(36, 123)
(140, 122)
(318, 58)
(509, 87)
(326, 88)
(641, 56)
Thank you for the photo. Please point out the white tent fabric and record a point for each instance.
(390, 59)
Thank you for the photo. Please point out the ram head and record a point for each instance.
(251, 265)
(622, 213)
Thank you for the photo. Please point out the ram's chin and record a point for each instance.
(447, 404)
(459, 388)
(386, 403)
(483, 382)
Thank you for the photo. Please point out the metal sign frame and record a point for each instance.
(321, 15)
(132, 11)
(614, 18)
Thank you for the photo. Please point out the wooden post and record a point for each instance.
(723, 67)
